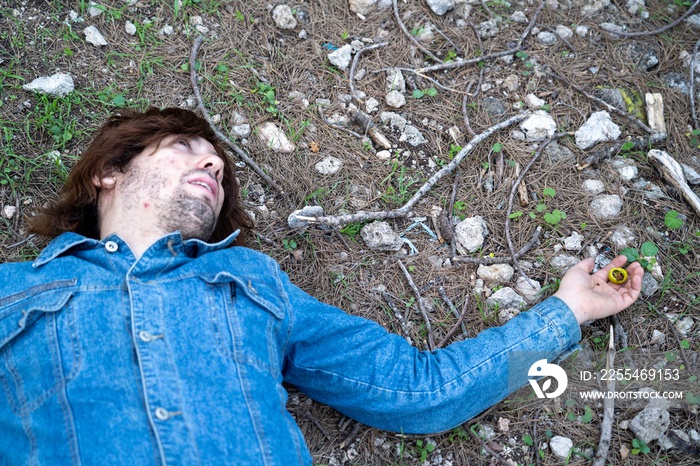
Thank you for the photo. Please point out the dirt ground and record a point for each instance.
(250, 66)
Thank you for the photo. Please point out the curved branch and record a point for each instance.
(219, 134)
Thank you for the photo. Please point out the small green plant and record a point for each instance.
(454, 150)
(645, 255)
(345, 35)
(419, 94)
(497, 147)
(639, 446)
(289, 244)
(352, 229)
(424, 448)
(694, 137)
(268, 96)
(527, 440)
(450, 55)
(417, 31)
(672, 221)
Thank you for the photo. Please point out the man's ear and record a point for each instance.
(105, 181)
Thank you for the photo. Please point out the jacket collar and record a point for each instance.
(69, 240)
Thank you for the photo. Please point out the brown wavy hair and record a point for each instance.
(120, 139)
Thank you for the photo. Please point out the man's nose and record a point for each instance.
(214, 164)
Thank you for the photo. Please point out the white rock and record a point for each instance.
(341, 57)
(690, 174)
(383, 155)
(598, 128)
(412, 135)
(364, 7)
(635, 7)
(130, 28)
(593, 187)
(283, 17)
(395, 80)
(9, 211)
(504, 315)
(547, 38)
(563, 262)
(241, 131)
(533, 101)
(683, 325)
(395, 99)
(612, 28)
(94, 10)
(626, 168)
(518, 17)
(650, 424)
(622, 236)
(538, 126)
(59, 84)
(371, 105)
(440, 7)
(329, 165)
(496, 273)
(573, 242)
(504, 298)
(512, 82)
(582, 31)
(561, 446)
(379, 236)
(470, 234)
(394, 119)
(275, 139)
(309, 211)
(530, 293)
(94, 37)
(693, 20)
(564, 32)
(606, 207)
(658, 337)
(167, 30)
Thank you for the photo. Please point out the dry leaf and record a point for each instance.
(314, 147)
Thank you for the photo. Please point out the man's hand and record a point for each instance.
(593, 296)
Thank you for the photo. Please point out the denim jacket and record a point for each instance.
(179, 357)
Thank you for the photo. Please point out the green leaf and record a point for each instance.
(431, 92)
(631, 254)
(685, 344)
(516, 214)
(627, 146)
(670, 356)
(587, 415)
(649, 249)
(527, 440)
(692, 398)
(119, 100)
(222, 68)
(549, 192)
(672, 221)
(540, 207)
(532, 215)
(417, 93)
(497, 147)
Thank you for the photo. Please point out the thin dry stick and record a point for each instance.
(692, 85)
(488, 449)
(399, 316)
(620, 333)
(314, 421)
(410, 36)
(356, 59)
(442, 34)
(452, 307)
(411, 70)
(488, 10)
(688, 12)
(458, 178)
(219, 134)
(405, 210)
(601, 455)
(502, 260)
(514, 190)
(351, 436)
(456, 326)
(459, 64)
(341, 128)
(530, 25)
(603, 103)
(421, 305)
(19, 243)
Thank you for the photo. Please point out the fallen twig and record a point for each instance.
(456, 326)
(307, 415)
(601, 455)
(410, 36)
(452, 307)
(514, 190)
(351, 436)
(200, 105)
(603, 103)
(460, 63)
(671, 170)
(405, 210)
(620, 333)
(530, 25)
(605, 151)
(665, 28)
(692, 85)
(19, 243)
(399, 316)
(355, 60)
(421, 305)
(341, 128)
(501, 260)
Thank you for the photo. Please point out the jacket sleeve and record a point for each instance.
(377, 378)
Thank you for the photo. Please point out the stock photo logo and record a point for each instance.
(542, 368)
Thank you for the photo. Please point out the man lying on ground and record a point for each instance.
(144, 333)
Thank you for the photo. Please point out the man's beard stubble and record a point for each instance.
(189, 214)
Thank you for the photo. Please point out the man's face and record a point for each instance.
(178, 185)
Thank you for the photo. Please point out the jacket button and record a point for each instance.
(145, 336)
(111, 246)
(162, 414)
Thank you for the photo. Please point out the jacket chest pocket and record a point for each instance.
(246, 325)
(39, 351)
